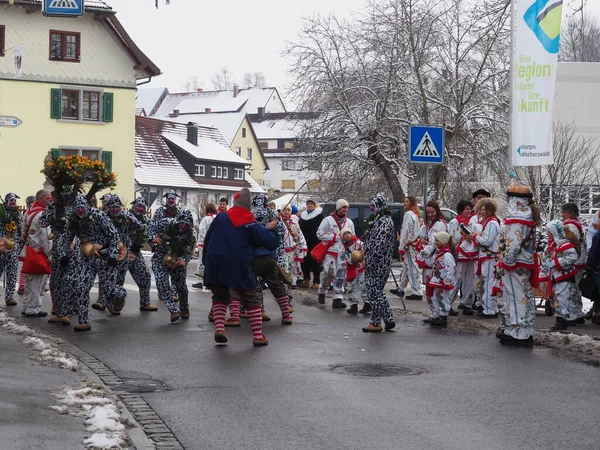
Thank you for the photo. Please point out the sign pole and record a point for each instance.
(425, 185)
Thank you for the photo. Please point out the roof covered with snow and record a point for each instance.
(148, 98)
(247, 100)
(228, 124)
(207, 149)
(155, 164)
(286, 125)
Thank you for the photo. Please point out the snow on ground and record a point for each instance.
(49, 353)
(103, 421)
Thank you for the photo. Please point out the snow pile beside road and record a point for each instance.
(103, 418)
(49, 354)
(585, 346)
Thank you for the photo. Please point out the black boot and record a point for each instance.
(353, 309)
(397, 292)
(390, 325)
(468, 311)
(440, 321)
(561, 324)
(452, 312)
(197, 285)
(580, 321)
(322, 299)
(338, 303)
(589, 314)
(366, 309)
(428, 321)
(500, 332)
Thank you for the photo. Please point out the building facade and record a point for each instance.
(73, 91)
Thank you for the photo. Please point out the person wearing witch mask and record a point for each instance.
(99, 253)
(169, 208)
(137, 265)
(11, 228)
(174, 243)
(334, 266)
(378, 248)
(127, 225)
(516, 266)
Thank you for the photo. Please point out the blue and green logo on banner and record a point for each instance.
(544, 19)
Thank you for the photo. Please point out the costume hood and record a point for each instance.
(10, 200)
(378, 202)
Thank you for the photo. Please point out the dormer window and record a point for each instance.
(238, 174)
(199, 170)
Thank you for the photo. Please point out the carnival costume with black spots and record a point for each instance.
(92, 226)
(56, 217)
(137, 265)
(11, 226)
(126, 225)
(170, 209)
(177, 239)
(379, 245)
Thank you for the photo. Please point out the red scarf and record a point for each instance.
(488, 220)
(340, 221)
(240, 216)
(36, 208)
(462, 220)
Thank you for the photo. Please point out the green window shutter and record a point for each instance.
(55, 104)
(56, 153)
(107, 160)
(107, 107)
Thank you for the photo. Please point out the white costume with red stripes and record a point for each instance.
(442, 282)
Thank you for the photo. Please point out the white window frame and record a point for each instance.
(249, 153)
(80, 103)
(213, 171)
(288, 164)
(225, 172)
(238, 174)
(219, 172)
(200, 170)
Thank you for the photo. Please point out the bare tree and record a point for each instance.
(223, 80)
(403, 62)
(254, 79)
(580, 39)
(193, 84)
(575, 169)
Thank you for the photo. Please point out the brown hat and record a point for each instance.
(243, 199)
(517, 190)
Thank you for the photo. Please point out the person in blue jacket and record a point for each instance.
(229, 248)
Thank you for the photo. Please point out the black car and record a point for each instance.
(360, 212)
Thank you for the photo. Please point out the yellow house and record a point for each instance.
(71, 91)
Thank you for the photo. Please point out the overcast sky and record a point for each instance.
(198, 37)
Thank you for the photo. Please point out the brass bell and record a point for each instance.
(356, 256)
(87, 248)
(170, 260)
(51, 236)
(10, 244)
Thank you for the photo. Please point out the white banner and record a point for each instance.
(536, 37)
(18, 50)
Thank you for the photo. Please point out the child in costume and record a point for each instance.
(355, 269)
(442, 280)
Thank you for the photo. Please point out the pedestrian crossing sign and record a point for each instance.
(426, 144)
(64, 8)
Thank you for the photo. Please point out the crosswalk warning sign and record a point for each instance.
(426, 147)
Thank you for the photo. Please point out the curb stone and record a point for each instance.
(148, 432)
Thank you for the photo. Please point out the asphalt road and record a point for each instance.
(441, 390)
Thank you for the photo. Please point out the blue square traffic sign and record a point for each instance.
(66, 8)
(426, 144)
